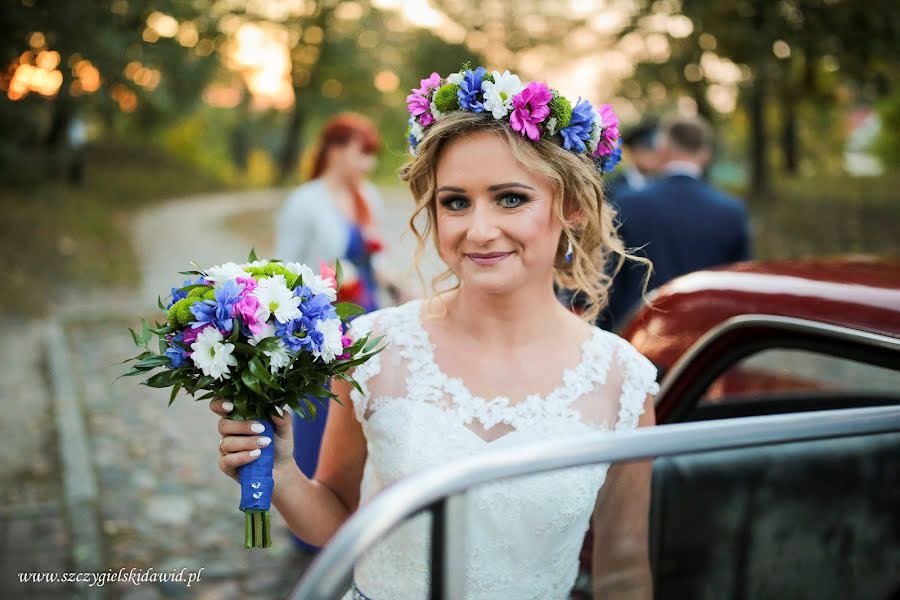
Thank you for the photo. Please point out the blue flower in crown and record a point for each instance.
(470, 90)
(579, 129)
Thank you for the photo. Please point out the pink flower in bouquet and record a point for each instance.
(190, 334)
(419, 101)
(530, 109)
(249, 284)
(346, 342)
(247, 308)
(328, 274)
(610, 134)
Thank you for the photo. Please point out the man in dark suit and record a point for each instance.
(641, 160)
(681, 223)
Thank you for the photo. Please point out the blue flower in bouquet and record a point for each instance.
(299, 334)
(177, 354)
(218, 312)
(579, 129)
(314, 307)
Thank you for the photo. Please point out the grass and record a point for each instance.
(58, 237)
(828, 215)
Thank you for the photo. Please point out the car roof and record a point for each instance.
(858, 292)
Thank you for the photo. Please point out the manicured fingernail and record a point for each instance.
(263, 441)
(228, 406)
(257, 428)
(256, 452)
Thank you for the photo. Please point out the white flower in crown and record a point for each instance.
(596, 129)
(211, 355)
(551, 126)
(314, 282)
(275, 298)
(455, 78)
(438, 115)
(498, 94)
(416, 131)
(332, 346)
(279, 357)
(219, 274)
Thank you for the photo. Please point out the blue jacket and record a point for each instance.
(683, 225)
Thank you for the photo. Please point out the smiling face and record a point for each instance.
(496, 227)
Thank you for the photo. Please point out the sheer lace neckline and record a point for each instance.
(562, 389)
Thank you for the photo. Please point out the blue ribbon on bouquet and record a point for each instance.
(256, 477)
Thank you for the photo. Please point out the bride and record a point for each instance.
(509, 177)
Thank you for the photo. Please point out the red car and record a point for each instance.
(809, 520)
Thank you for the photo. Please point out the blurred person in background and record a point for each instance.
(680, 222)
(335, 215)
(641, 160)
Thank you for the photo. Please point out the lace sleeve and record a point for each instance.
(359, 327)
(639, 381)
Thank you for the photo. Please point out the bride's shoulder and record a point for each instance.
(624, 356)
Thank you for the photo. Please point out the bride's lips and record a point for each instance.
(487, 258)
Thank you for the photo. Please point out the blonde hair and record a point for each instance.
(579, 202)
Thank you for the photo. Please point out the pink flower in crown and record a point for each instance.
(530, 108)
(610, 133)
(418, 103)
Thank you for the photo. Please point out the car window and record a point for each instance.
(778, 372)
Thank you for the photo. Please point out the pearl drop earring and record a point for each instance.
(570, 252)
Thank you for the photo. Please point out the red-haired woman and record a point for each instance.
(334, 216)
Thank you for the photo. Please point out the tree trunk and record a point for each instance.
(759, 164)
(290, 150)
(789, 143)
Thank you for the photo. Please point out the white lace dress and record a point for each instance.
(524, 535)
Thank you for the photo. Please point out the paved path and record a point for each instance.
(161, 502)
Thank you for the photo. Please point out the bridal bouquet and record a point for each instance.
(263, 335)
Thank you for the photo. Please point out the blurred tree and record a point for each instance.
(792, 53)
(147, 57)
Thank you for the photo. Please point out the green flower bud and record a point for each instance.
(183, 310)
(445, 99)
(208, 294)
(561, 110)
(197, 292)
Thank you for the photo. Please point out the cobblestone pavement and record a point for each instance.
(33, 534)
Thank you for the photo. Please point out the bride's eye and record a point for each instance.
(512, 200)
(454, 203)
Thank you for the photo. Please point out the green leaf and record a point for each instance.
(370, 344)
(262, 374)
(245, 349)
(268, 344)
(338, 274)
(188, 288)
(312, 407)
(252, 256)
(294, 403)
(235, 329)
(163, 346)
(137, 339)
(191, 273)
(207, 396)
(348, 309)
(174, 393)
(161, 380)
(203, 382)
(145, 332)
(159, 303)
(251, 382)
(168, 328)
(151, 362)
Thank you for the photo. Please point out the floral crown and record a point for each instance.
(532, 110)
